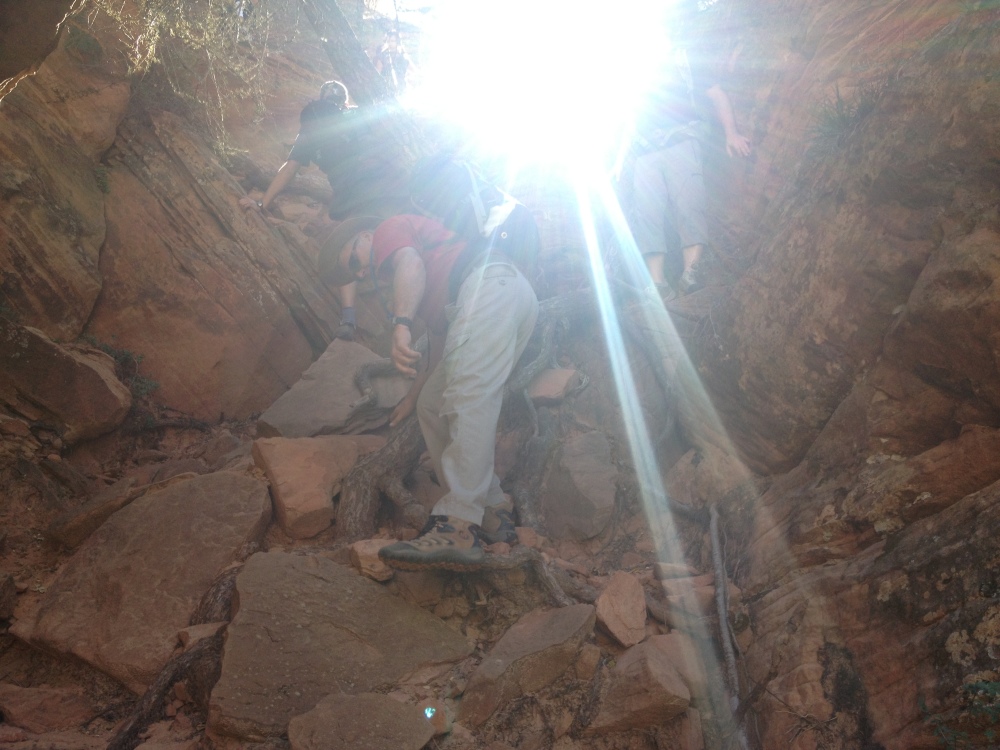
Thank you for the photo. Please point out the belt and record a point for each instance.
(664, 138)
(486, 259)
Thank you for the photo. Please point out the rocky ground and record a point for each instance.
(112, 548)
(163, 537)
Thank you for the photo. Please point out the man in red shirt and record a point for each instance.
(474, 340)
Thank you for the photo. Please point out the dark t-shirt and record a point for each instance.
(394, 67)
(360, 161)
(679, 96)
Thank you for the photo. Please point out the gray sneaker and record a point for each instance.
(691, 280)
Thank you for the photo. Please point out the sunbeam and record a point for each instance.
(546, 81)
(701, 421)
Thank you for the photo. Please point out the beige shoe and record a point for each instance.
(446, 543)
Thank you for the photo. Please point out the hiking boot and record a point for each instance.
(691, 280)
(498, 524)
(446, 543)
(346, 331)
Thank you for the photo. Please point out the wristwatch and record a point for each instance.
(399, 320)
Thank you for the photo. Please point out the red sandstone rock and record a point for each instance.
(674, 570)
(306, 628)
(438, 714)
(121, 599)
(16, 427)
(686, 659)
(644, 690)
(621, 609)
(72, 388)
(305, 474)
(551, 386)
(528, 537)
(423, 588)
(360, 722)
(8, 595)
(578, 496)
(44, 709)
(533, 653)
(321, 402)
(588, 661)
(365, 559)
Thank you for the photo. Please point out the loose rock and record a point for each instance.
(360, 722)
(621, 609)
(307, 627)
(532, 654)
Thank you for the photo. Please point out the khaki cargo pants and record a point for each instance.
(459, 405)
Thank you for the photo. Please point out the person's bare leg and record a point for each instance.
(690, 280)
(692, 254)
(654, 264)
(348, 294)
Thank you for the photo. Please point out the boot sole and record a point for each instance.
(458, 567)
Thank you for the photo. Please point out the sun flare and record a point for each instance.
(540, 81)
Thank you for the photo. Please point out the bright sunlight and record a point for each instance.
(540, 81)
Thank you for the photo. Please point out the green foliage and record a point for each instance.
(126, 367)
(84, 46)
(975, 723)
(203, 58)
(838, 119)
(101, 176)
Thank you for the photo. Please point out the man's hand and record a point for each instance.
(404, 357)
(737, 145)
(249, 204)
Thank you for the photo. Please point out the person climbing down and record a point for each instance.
(363, 170)
(392, 62)
(480, 311)
(668, 184)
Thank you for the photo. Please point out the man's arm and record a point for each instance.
(435, 353)
(348, 319)
(285, 174)
(408, 282)
(736, 143)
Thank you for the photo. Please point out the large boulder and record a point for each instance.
(73, 388)
(836, 239)
(44, 709)
(54, 128)
(324, 400)
(579, 494)
(644, 690)
(360, 722)
(121, 599)
(305, 474)
(535, 652)
(226, 311)
(307, 627)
